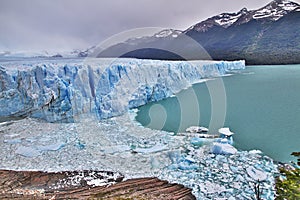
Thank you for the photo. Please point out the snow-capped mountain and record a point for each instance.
(275, 10)
(77, 53)
(268, 35)
(83, 53)
(168, 33)
(225, 20)
(271, 12)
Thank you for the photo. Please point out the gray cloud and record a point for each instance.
(69, 24)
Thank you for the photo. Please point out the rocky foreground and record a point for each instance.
(82, 185)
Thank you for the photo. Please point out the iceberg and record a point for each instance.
(63, 89)
(223, 148)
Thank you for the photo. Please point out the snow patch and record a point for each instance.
(167, 33)
(227, 20)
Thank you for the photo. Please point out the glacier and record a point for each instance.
(99, 96)
(60, 90)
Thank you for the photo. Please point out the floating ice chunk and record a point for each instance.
(187, 166)
(190, 159)
(225, 140)
(27, 151)
(116, 149)
(225, 131)
(255, 151)
(175, 156)
(13, 141)
(197, 141)
(51, 147)
(220, 148)
(255, 174)
(233, 169)
(155, 163)
(196, 129)
(156, 148)
(212, 188)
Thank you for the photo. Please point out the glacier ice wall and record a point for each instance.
(61, 90)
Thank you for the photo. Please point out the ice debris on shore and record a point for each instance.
(222, 176)
(121, 145)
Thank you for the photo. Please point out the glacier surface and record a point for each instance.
(61, 90)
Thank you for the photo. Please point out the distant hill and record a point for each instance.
(269, 35)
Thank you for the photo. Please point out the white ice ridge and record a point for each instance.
(60, 90)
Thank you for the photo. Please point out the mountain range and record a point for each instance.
(269, 35)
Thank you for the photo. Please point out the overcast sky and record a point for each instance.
(32, 25)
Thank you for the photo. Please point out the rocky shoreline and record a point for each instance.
(74, 185)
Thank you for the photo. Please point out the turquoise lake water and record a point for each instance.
(262, 108)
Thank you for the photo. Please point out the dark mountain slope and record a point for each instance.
(269, 35)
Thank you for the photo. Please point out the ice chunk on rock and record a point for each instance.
(220, 148)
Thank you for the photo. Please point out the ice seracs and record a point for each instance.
(61, 90)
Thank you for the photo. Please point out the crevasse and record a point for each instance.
(60, 90)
